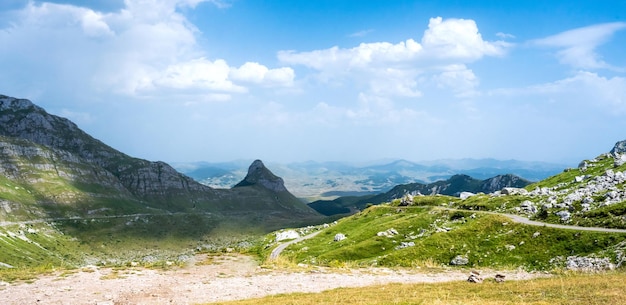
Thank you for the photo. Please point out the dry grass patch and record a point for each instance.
(601, 289)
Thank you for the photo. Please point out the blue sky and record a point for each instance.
(191, 80)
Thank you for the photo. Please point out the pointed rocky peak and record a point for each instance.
(619, 148)
(260, 175)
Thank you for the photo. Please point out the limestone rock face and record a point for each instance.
(260, 175)
(619, 148)
(501, 181)
(20, 118)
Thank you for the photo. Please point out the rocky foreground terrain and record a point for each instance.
(210, 279)
(594, 194)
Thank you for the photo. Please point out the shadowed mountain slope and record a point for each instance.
(55, 164)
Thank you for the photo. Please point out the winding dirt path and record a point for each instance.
(276, 252)
(526, 221)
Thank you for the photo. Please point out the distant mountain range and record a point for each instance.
(328, 180)
(453, 186)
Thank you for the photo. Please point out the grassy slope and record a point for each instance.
(485, 240)
(602, 289)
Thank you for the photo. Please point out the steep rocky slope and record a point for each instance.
(593, 194)
(61, 169)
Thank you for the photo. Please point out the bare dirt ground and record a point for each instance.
(208, 279)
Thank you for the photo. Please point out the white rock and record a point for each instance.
(565, 215)
(339, 237)
(289, 234)
(465, 195)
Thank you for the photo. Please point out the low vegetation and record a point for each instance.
(567, 289)
(387, 235)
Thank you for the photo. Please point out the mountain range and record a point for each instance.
(313, 181)
(453, 186)
(52, 168)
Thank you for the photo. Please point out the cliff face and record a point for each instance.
(61, 164)
(20, 118)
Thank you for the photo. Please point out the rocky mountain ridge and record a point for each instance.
(327, 180)
(454, 186)
(52, 161)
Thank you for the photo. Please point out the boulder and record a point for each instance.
(465, 195)
(339, 237)
(620, 159)
(564, 215)
(459, 260)
(285, 235)
(513, 191)
(405, 245)
(389, 233)
(406, 200)
(528, 207)
(474, 277)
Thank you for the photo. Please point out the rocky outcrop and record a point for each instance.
(459, 260)
(20, 118)
(580, 194)
(501, 181)
(619, 148)
(259, 175)
(584, 263)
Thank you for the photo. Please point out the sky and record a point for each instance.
(325, 80)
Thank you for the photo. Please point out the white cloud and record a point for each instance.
(502, 35)
(458, 78)
(391, 69)
(394, 82)
(458, 39)
(362, 33)
(198, 74)
(584, 89)
(256, 73)
(577, 46)
(146, 47)
(93, 25)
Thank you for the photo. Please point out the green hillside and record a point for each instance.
(476, 232)
(67, 199)
(388, 235)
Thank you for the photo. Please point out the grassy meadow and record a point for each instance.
(565, 289)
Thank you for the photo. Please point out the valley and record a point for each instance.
(80, 218)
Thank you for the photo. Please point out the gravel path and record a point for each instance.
(527, 221)
(229, 277)
(276, 252)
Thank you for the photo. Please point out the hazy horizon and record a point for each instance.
(290, 81)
